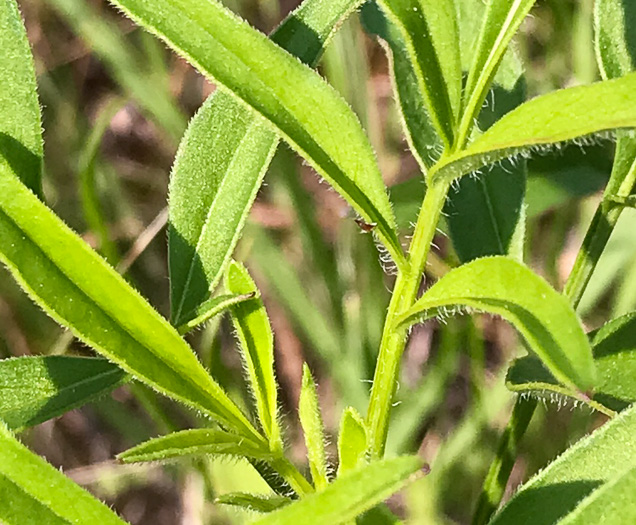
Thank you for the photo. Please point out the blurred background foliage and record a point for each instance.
(115, 104)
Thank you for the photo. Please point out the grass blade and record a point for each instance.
(556, 491)
(129, 67)
(614, 349)
(35, 492)
(352, 441)
(36, 389)
(294, 100)
(507, 288)
(500, 23)
(21, 145)
(350, 495)
(80, 291)
(313, 428)
(429, 35)
(257, 349)
(194, 442)
(547, 121)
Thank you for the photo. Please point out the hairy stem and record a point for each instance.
(393, 338)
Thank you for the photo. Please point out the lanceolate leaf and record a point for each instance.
(195, 442)
(221, 163)
(80, 291)
(257, 349)
(502, 19)
(584, 468)
(311, 421)
(420, 132)
(350, 495)
(211, 308)
(20, 123)
(254, 502)
(615, 28)
(612, 504)
(34, 492)
(614, 349)
(35, 389)
(551, 119)
(507, 288)
(429, 36)
(294, 100)
(352, 441)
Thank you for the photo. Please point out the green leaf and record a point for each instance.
(80, 291)
(21, 145)
(615, 31)
(429, 37)
(132, 70)
(422, 137)
(504, 287)
(585, 467)
(350, 495)
(257, 349)
(221, 163)
(36, 389)
(211, 308)
(313, 428)
(294, 100)
(34, 492)
(500, 23)
(547, 120)
(614, 349)
(194, 442)
(612, 504)
(352, 441)
(254, 502)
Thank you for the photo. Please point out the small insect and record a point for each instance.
(366, 227)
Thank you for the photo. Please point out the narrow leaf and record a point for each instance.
(423, 139)
(350, 495)
(614, 349)
(34, 492)
(507, 288)
(221, 163)
(211, 308)
(352, 441)
(257, 349)
(545, 121)
(500, 23)
(313, 428)
(589, 464)
(294, 100)
(429, 36)
(36, 389)
(254, 502)
(612, 504)
(21, 145)
(615, 31)
(194, 442)
(80, 291)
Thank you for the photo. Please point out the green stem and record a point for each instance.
(292, 476)
(621, 184)
(500, 468)
(394, 339)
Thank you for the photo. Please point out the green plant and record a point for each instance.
(447, 58)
